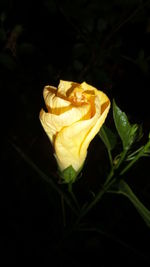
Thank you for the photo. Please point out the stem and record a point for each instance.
(107, 184)
(70, 187)
(44, 176)
(99, 195)
(127, 191)
(63, 210)
(110, 158)
(123, 155)
(114, 238)
(130, 164)
(73, 195)
(107, 144)
(139, 155)
(110, 175)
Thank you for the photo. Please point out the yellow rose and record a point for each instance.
(75, 114)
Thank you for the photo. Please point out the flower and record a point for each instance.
(75, 114)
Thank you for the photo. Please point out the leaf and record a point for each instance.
(124, 189)
(133, 134)
(108, 137)
(126, 131)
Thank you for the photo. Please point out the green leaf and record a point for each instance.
(126, 131)
(123, 188)
(133, 134)
(108, 137)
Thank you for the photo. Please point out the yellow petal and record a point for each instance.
(49, 89)
(75, 114)
(95, 129)
(71, 143)
(53, 103)
(53, 123)
(102, 97)
(45, 123)
(65, 87)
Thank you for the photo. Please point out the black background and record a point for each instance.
(105, 43)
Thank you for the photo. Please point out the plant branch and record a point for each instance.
(121, 159)
(73, 195)
(99, 195)
(45, 177)
(139, 155)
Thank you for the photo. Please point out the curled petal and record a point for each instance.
(54, 103)
(102, 97)
(65, 87)
(72, 142)
(53, 123)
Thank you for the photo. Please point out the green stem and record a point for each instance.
(44, 176)
(63, 210)
(123, 155)
(106, 185)
(139, 155)
(110, 175)
(112, 237)
(110, 158)
(73, 196)
(70, 187)
(107, 144)
(127, 191)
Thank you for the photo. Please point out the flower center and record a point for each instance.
(77, 97)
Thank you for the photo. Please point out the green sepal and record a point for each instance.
(69, 175)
